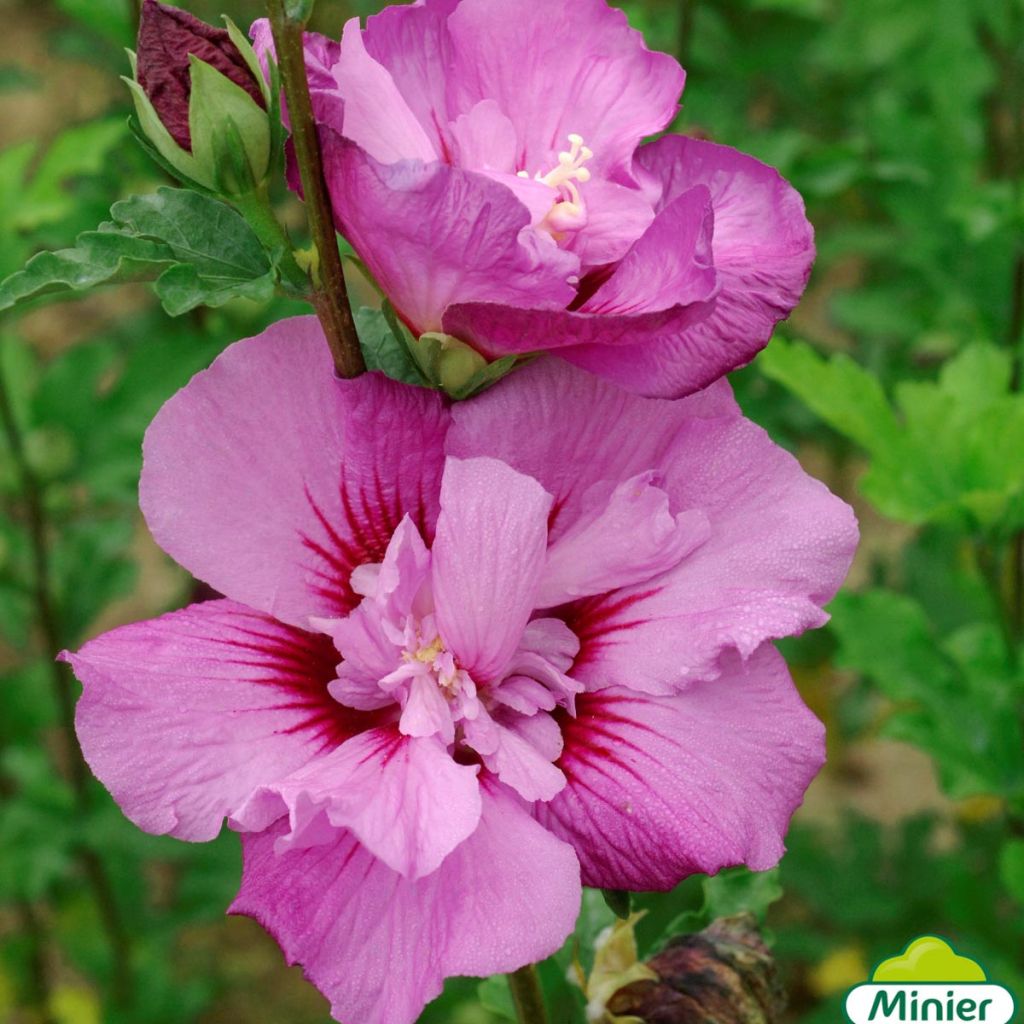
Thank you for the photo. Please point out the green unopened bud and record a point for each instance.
(457, 362)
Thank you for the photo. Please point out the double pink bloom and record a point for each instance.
(484, 159)
(469, 655)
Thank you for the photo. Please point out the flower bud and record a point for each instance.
(201, 100)
(722, 975)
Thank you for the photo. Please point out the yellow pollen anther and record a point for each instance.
(429, 653)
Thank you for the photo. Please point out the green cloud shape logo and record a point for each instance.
(928, 959)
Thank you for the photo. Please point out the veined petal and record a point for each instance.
(412, 42)
(661, 788)
(575, 67)
(487, 560)
(405, 799)
(467, 236)
(379, 946)
(572, 431)
(780, 545)
(272, 480)
(763, 242)
(376, 116)
(623, 537)
(182, 717)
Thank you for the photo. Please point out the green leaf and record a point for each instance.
(385, 347)
(738, 890)
(197, 249)
(843, 394)
(619, 901)
(78, 151)
(955, 698)
(951, 452)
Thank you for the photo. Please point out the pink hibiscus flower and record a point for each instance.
(469, 656)
(484, 160)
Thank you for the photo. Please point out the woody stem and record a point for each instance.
(526, 995)
(330, 295)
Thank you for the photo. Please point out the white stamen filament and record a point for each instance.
(564, 178)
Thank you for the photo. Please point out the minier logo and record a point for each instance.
(929, 982)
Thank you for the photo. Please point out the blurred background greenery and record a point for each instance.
(896, 381)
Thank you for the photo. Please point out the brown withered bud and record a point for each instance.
(167, 36)
(722, 975)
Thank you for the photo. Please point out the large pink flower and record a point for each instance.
(468, 655)
(484, 160)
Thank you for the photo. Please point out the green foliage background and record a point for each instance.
(897, 381)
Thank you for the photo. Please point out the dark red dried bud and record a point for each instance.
(167, 36)
(722, 975)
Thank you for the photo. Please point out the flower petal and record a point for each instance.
(631, 329)
(524, 755)
(763, 243)
(376, 116)
(661, 788)
(405, 799)
(571, 431)
(184, 716)
(571, 67)
(379, 946)
(780, 545)
(272, 480)
(487, 561)
(625, 537)
(412, 42)
(321, 55)
(432, 234)
(616, 217)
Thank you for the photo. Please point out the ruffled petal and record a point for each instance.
(272, 480)
(631, 329)
(624, 537)
(616, 217)
(763, 242)
(467, 238)
(572, 431)
(182, 717)
(487, 561)
(405, 799)
(662, 788)
(379, 946)
(572, 67)
(780, 545)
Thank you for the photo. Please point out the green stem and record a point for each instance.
(330, 295)
(63, 687)
(259, 215)
(526, 995)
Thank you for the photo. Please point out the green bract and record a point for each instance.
(233, 142)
